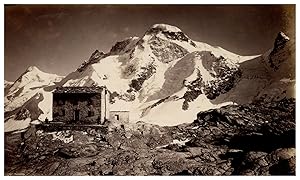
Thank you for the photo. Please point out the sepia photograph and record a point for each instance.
(149, 90)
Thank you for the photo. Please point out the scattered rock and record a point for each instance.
(250, 139)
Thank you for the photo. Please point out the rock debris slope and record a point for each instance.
(253, 139)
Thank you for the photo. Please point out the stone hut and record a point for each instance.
(81, 105)
(119, 115)
(119, 112)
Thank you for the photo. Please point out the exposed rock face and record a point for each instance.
(250, 121)
(278, 46)
(282, 51)
(254, 139)
(23, 114)
(194, 90)
(280, 40)
(95, 57)
(147, 72)
(166, 51)
(124, 46)
(225, 75)
(7, 85)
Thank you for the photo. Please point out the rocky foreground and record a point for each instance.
(253, 139)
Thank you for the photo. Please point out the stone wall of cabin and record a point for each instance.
(123, 116)
(88, 105)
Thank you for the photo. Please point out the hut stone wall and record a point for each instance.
(77, 108)
(121, 116)
(80, 105)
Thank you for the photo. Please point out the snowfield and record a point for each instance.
(13, 125)
(171, 114)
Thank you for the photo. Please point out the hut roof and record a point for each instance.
(78, 89)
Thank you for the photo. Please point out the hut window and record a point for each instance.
(117, 117)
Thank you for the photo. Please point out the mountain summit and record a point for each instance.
(165, 27)
(25, 94)
(32, 68)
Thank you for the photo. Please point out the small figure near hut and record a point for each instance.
(46, 120)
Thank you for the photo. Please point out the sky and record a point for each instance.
(58, 38)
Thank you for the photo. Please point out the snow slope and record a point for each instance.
(170, 113)
(268, 77)
(27, 85)
(7, 84)
(13, 125)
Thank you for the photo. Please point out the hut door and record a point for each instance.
(76, 115)
(117, 117)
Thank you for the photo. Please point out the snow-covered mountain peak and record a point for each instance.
(33, 77)
(34, 73)
(281, 34)
(27, 86)
(280, 40)
(166, 27)
(166, 32)
(281, 59)
(32, 68)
